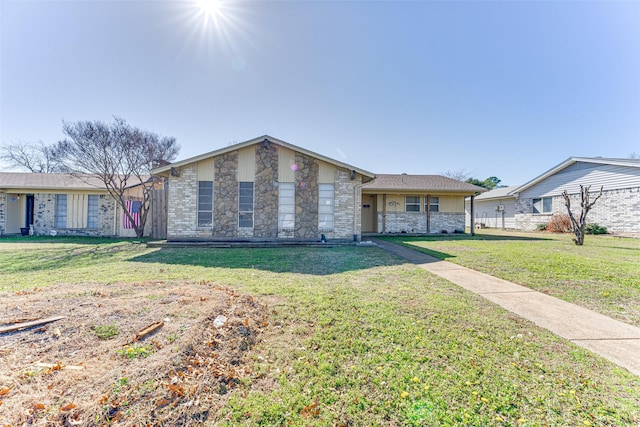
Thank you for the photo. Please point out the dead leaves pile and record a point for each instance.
(192, 368)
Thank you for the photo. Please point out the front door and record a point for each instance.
(369, 214)
(29, 211)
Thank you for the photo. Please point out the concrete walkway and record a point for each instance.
(611, 339)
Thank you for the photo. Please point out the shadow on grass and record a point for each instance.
(302, 260)
(458, 237)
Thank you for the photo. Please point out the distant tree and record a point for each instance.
(634, 155)
(121, 155)
(33, 157)
(489, 183)
(578, 225)
(458, 174)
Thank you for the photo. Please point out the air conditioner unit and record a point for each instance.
(499, 208)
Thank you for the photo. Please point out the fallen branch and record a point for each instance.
(146, 331)
(24, 325)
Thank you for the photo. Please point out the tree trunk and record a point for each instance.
(578, 225)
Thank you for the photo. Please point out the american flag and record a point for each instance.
(133, 206)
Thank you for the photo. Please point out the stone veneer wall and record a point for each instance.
(618, 210)
(44, 217)
(306, 219)
(346, 206)
(3, 209)
(225, 197)
(416, 222)
(265, 192)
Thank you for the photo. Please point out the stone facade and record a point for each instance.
(618, 210)
(265, 190)
(44, 217)
(225, 197)
(416, 222)
(182, 199)
(3, 208)
(306, 184)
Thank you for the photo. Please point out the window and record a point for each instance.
(412, 204)
(286, 205)
(542, 205)
(205, 204)
(92, 212)
(61, 211)
(434, 204)
(325, 206)
(245, 204)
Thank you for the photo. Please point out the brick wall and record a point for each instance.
(3, 208)
(416, 222)
(618, 210)
(182, 206)
(346, 207)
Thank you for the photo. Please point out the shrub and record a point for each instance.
(559, 223)
(595, 229)
(542, 226)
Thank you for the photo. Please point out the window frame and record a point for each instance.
(93, 209)
(245, 215)
(61, 214)
(290, 193)
(543, 201)
(415, 203)
(201, 210)
(326, 207)
(433, 207)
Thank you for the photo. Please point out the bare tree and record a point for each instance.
(459, 174)
(33, 157)
(121, 155)
(634, 155)
(577, 226)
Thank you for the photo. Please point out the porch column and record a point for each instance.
(428, 203)
(384, 213)
(472, 222)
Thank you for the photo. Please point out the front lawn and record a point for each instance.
(603, 275)
(354, 337)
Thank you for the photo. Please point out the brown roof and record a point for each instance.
(49, 181)
(421, 183)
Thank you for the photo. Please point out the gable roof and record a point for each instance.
(163, 170)
(49, 181)
(420, 183)
(497, 193)
(634, 163)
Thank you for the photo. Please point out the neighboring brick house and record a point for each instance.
(415, 204)
(263, 189)
(618, 209)
(64, 203)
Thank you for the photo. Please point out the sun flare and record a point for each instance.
(211, 8)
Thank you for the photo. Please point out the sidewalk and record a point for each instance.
(609, 338)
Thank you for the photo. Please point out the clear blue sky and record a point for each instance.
(496, 88)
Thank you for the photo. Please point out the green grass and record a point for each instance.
(603, 275)
(359, 338)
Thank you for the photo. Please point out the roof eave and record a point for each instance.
(166, 170)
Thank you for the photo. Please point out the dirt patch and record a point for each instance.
(87, 369)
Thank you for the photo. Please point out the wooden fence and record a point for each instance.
(158, 214)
